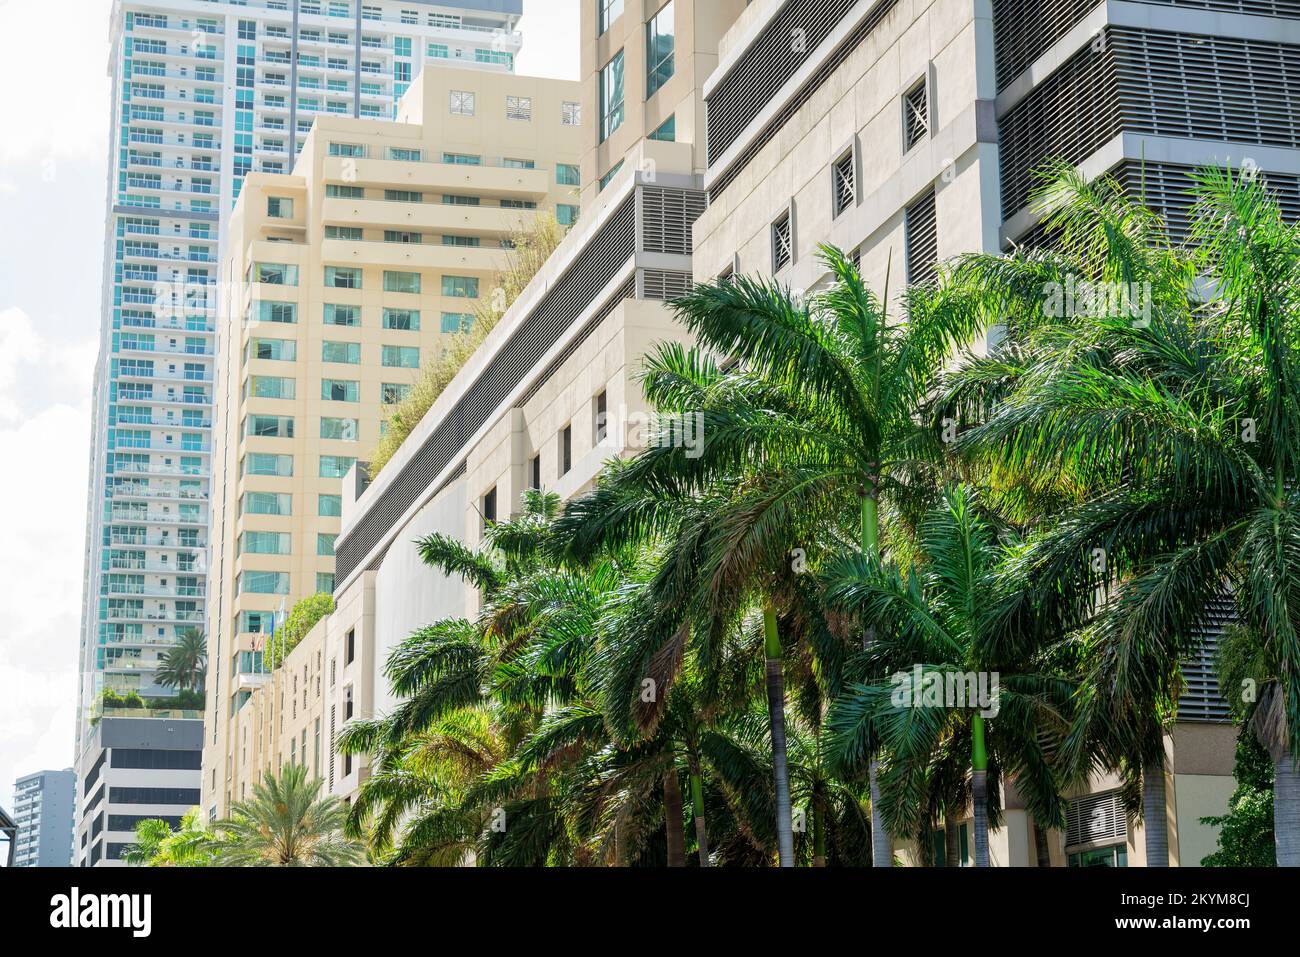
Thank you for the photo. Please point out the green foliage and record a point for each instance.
(286, 824)
(301, 619)
(184, 664)
(1246, 832)
(156, 845)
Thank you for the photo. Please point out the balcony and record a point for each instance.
(412, 256)
(435, 217)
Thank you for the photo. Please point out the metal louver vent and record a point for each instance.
(591, 270)
(1023, 30)
(667, 216)
(921, 236)
(1202, 699)
(1095, 819)
(782, 248)
(768, 64)
(333, 748)
(916, 116)
(844, 183)
(664, 285)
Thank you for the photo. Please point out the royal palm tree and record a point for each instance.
(184, 664)
(157, 845)
(287, 824)
(949, 628)
(1179, 432)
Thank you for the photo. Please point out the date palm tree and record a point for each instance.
(1176, 439)
(287, 824)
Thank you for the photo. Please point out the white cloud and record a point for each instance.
(42, 542)
(551, 33)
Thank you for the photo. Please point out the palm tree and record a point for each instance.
(184, 664)
(946, 624)
(806, 434)
(287, 824)
(157, 845)
(1179, 435)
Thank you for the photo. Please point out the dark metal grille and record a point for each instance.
(916, 116)
(768, 64)
(1095, 819)
(1023, 30)
(921, 236)
(782, 243)
(591, 271)
(1202, 700)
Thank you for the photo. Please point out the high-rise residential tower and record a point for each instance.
(204, 93)
(43, 807)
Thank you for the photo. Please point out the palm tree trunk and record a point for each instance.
(882, 851)
(951, 852)
(980, 791)
(673, 819)
(697, 806)
(819, 824)
(1286, 811)
(1154, 819)
(776, 712)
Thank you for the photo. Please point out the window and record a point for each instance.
(536, 472)
(265, 311)
(519, 107)
(843, 183)
(275, 274)
(451, 199)
(329, 506)
(347, 149)
(340, 390)
(325, 544)
(266, 463)
(403, 196)
(611, 96)
(265, 543)
(405, 154)
(490, 506)
(1114, 856)
(462, 103)
(339, 315)
(567, 174)
(601, 417)
(566, 214)
(660, 45)
(401, 281)
(666, 132)
(343, 430)
(460, 287)
(610, 10)
(350, 650)
(335, 466)
(404, 237)
(454, 322)
(518, 164)
(462, 159)
(782, 243)
(267, 503)
(406, 320)
(285, 350)
(279, 207)
(391, 393)
(570, 113)
(353, 233)
(347, 352)
(609, 177)
(262, 583)
(916, 116)
(270, 387)
(342, 277)
(333, 191)
(270, 426)
(400, 357)
(566, 449)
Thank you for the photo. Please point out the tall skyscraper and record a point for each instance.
(43, 806)
(205, 92)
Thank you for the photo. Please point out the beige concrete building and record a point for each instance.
(339, 282)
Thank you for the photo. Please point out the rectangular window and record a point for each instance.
(401, 281)
(335, 466)
(282, 312)
(266, 463)
(325, 544)
(566, 449)
(263, 583)
(666, 131)
(346, 352)
(782, 248)
(403, 236)
(265, 543)
(460, 287)
(270, 387)
(329, 506)
(462, 103)
(490, 506)
(338, 315)
(570, 113)
(406, 320)
(567, 174)
(391, 393)
(343, 430)
(610, 10)
(275, 274)
(566, 214)
(843, 183)
(405, 154)
(400, 357)
(519, 107)
(660, 46)
(340, 390)
(342, 277)
(270, 426)
(403, 196)
(285, 350)
(267, 503)
(611, 96)
(334, 191)
(609, 177)
(601, 416)
(352, 233)
(279, 207)
(462, 159)
(536, 472)
(916, 116)
(347, 149)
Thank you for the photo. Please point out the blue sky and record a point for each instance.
(53, 176)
